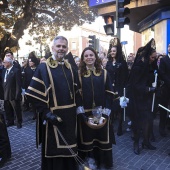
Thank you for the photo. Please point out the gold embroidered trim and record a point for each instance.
(116, 98)
(88, 73)
(54, 63)
(52, 85)
(57, 143)
(111, 92)
(105, 75)
(88, 110)
(37, 91)
(73, 82)
(38, 80)
(95, 147)
(57, 140)
(68, 156)
(46, 133)
(36, 97)
(63, 107)
(67, 64)
(53, 90)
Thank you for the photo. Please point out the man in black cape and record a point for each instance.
(55, 94)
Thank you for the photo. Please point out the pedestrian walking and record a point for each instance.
(11, 77)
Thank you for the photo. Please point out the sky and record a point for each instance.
(96, 26)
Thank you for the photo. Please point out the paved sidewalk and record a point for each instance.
(25, 156)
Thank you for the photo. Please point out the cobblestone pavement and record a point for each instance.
(25, 156)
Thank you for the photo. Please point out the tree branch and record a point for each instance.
(52, 14)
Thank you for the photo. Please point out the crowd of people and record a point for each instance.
(76, 101)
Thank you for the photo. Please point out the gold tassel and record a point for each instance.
(87, 168)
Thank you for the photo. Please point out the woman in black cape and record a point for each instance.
(95, 140)
(140, 94)
(118, 70)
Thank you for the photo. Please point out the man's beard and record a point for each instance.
(60, 57)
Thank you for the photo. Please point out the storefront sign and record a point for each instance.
(154, 18)
(93, 3)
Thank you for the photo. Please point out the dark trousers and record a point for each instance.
(13, 108)
(165, 98)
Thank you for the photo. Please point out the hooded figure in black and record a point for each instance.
(118, 70)
(140, 94)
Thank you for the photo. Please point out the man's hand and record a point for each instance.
(53, 119)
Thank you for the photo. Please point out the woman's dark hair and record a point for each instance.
(97, 64)
(119, 54)
(8, 51)
(152, 51)
(33, 58)
(145, 52)
(160, 55)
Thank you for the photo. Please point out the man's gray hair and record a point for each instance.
(61, 38)
(8, 59)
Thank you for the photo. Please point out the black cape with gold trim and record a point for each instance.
(50, 92)
(89, 137)
(96, 141)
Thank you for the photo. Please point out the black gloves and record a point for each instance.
(53, 119)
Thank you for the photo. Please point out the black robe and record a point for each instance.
(140, 99)
(5, 148)
(119, 76)
(96, 142)
(49, 86)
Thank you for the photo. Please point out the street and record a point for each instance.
(25, 156)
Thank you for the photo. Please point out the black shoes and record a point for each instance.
(148, 146)
(19, 125)
(136, 148)
(162, 132)
(152, 138)
(144, 145)
(119, 131)
(34, 116)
